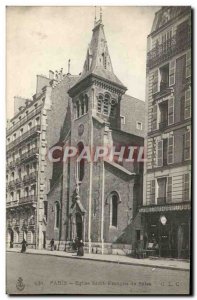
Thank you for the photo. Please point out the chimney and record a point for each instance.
(51, 74)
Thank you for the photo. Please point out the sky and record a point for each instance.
(39, 39)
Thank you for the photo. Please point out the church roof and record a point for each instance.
(119, 167)
(98, 61)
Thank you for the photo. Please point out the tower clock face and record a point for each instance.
(80, 129)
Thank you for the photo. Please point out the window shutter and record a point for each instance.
(152, 192)
(155, 87)
(172, 71)
(171, 111)
(187, 145)
(188, 64)
(187, 109)
(169, 189)
(160, 153)
(186, 187)
(170, 157)
(154, 117)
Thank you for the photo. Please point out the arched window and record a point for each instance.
(78, 111)
(57, 215)
(11, 196)
(99, 103)
(86, 103)
(81, 163)
(106, 105)
(114, 210)
(113, 108)
(27, 191)
(82, 107)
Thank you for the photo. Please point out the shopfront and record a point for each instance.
(169, 227)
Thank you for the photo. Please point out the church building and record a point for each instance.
(97, 200)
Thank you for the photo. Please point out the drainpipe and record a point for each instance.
(91, 169)
(102, 206)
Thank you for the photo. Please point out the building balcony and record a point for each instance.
(24, 120)
(33, 131)
(29, 154)
(12, 203)
(18, 181)
(11, 184)
(168, 49)
(161, 200)
(28, 199)
(31, 177)
(163, 93)
(12, 164)
(163, 125)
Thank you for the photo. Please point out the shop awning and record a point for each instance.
(160, 208)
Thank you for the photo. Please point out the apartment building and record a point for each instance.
(36, 125)
(166, 207)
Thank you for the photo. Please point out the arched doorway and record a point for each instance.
(79, 227)
(11, 238)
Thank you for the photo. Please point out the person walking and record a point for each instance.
(24, 246)
(80, 251)
(52, 243)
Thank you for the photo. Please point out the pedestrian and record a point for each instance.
(52, 244)
(80, 250)
(24, 246)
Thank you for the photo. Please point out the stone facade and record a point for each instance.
(167, 177)
(101, 205)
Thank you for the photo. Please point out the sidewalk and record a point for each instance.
(146, 262)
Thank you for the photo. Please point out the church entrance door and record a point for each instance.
(79, 225)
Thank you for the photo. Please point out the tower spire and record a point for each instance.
(95, 17)
(101, 13)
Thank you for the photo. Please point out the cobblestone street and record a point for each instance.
(49, 274)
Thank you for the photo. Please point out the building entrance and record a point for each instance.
(79, 227)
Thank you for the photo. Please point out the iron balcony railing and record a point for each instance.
(29, 154)
(162, 52)
(12, 203)
(30, 177)
(24, 120)
(11, 183)
(18, 181)
(24, 136)
(28, 199)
